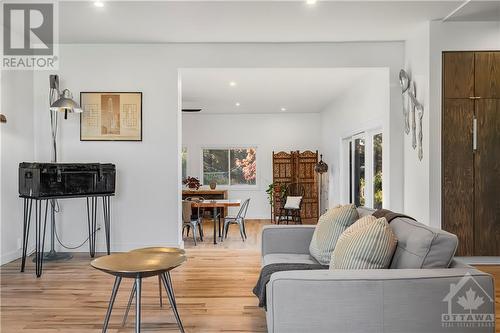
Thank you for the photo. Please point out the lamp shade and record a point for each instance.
(321, 167)
(66, 103)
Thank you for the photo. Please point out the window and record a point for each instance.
(184, 158)
(363, 169)
(230, 166)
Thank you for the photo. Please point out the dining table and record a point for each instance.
(216, 205)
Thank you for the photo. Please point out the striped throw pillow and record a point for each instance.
(330, 226)
(367, 244)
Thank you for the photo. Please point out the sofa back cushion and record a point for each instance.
(419, 246)
(329, 228)
(367, 244)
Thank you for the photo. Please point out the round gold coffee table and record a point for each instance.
(156, 250)
(139, 265)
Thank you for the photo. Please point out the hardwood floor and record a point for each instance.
(213, 290)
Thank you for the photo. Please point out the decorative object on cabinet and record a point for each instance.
(192, 183)
(213, 184)
(3, 118)
(111, 116)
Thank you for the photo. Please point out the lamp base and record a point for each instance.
(54, 256)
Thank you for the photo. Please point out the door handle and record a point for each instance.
(474, 134)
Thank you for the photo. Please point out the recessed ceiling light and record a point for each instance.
(232, 83)
(311, 2)
(283, 109)
(99, 4)
(237, 104)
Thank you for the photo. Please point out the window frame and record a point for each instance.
(228, 148)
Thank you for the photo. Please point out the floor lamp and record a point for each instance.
(60, 102)
(321, 168)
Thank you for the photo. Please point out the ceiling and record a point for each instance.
(268, 90)
(256, 21)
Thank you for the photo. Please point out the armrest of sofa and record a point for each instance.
(286, 238)
(392, 300)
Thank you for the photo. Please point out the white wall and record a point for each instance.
(450, 36)
(416, 172)
(364, 108)
(16, 141)
(267, 132)
(146, 210)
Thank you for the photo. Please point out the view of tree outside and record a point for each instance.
(359, 172)
(243, 166)
(230, 166)
(377, 171)
(216, 166)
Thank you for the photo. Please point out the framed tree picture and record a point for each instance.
(111, 116)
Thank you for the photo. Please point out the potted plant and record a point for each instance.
(192, 183)
(275, 189)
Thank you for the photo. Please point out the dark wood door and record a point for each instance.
(458, 74)
(458, 172)
(487, 178)
(471, 175)
(487, 74)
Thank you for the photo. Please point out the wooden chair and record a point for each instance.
(292, 207)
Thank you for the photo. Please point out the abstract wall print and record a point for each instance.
(111, 116)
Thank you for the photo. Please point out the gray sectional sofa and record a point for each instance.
(421, 292)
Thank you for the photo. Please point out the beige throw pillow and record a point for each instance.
(367, 244)
(330, 226)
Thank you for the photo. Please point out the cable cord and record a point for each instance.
(73, 247)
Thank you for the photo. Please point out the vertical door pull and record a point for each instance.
(474, 134)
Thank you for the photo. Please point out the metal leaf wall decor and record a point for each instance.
(413, 111)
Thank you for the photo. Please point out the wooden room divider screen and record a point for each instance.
(298, 168)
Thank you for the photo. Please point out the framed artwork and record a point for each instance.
(111, 116)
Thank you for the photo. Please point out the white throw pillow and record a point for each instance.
(293, 202)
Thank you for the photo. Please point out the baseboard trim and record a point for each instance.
(9, 257)
(486, 260)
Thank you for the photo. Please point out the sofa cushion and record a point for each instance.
(367, 244)
(287, 258)
(420, 246)
(330, 226)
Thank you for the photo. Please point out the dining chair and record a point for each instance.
(239, 219)
(198, 212)
(190, 221)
